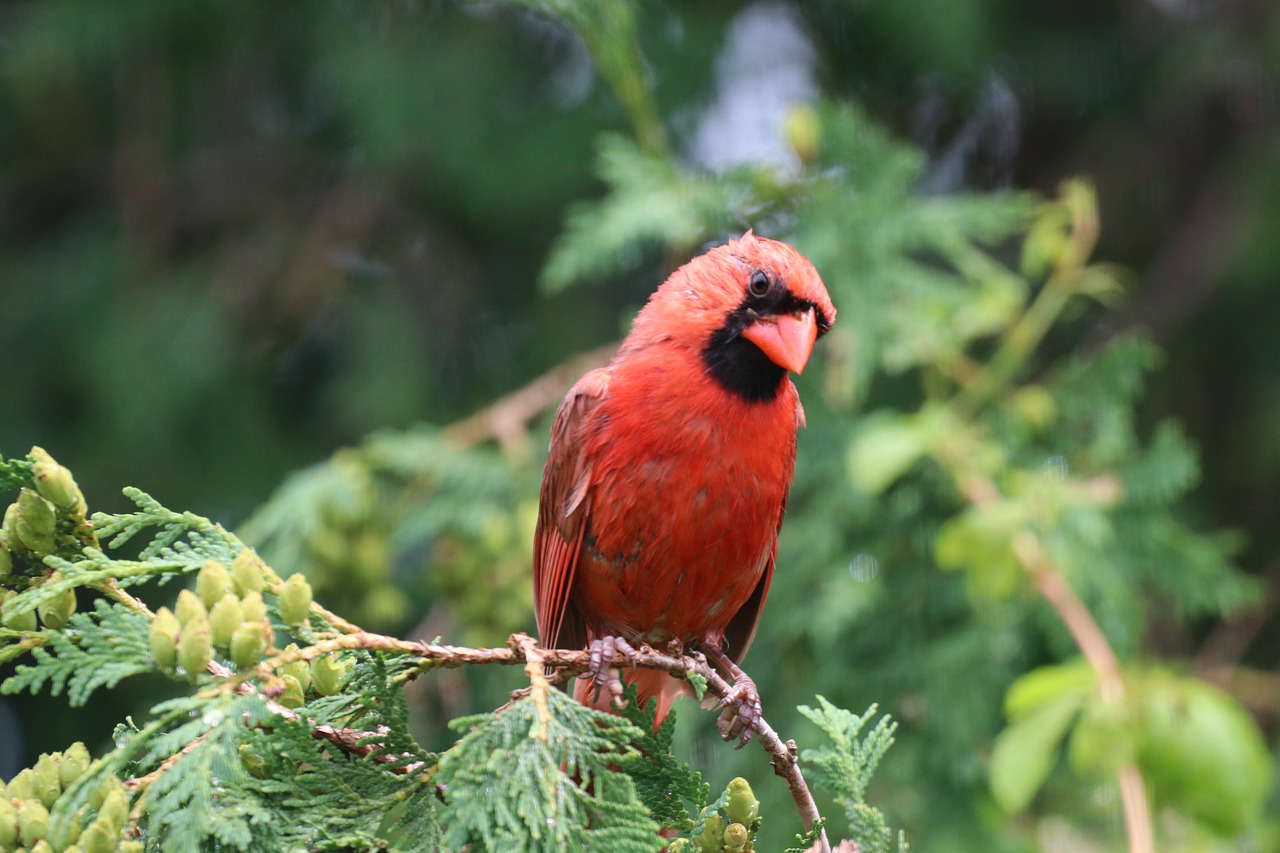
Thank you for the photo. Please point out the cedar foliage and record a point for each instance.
(228, 767)
(949, 415)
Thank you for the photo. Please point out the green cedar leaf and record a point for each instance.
(518, 782)
(672, 790)
(95, 649)
(844, 767)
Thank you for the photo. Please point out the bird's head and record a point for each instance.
(752, 309)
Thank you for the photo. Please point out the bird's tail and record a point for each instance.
(650, 683)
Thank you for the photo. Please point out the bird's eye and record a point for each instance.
(759, 284)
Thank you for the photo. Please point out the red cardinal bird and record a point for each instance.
(669, 470)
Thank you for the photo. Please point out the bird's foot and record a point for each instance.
(602, 672)
(742, 711)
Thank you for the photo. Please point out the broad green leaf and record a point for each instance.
(1202, 753)
(978, 541)
(885, 446)
(1046, 684)
(1103, 739)
(1024, 752)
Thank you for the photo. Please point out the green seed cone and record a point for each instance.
(164, 638)
(252, 606)
(115, 808)
(45, 780)
(20, 787)
(99, 795)
(189, 607)
(246, 570)
(33, 523)
(249, 642)
(736, 838)
(36, 512)
(292, 695)
(33, 822)
(6, 562)
(295, 600)
(57, 611)
(15, 620)
(298, 669)
(224, 618)
(743, 805)
(31, 539)
(328, 674)
(9, 529)
(213, 582)
(195, 646)
(99, 837)
(8, 824)
(42, 846)
(55, 484)
(711, 839)
(75, 761)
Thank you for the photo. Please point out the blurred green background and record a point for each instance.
(236, 237)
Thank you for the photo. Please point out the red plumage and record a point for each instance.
(669, 469)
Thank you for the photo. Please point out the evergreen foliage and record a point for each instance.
(845, 766)
(969, 474)
(669, 788)
(374, 510)
(231, 766)
(97, 649)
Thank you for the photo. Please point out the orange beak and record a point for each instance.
(787, 340)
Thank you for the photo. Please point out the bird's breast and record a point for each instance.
(687, 491)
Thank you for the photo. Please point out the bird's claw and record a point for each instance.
(602, 672)
(742, 711)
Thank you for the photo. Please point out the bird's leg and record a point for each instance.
(602, 672)
(741, 704)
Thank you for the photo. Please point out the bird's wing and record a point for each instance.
(742, 627)
(562, 514)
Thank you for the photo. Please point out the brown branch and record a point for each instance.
(507, 419)
(361, 743)
(1227, 643)
(782, 755)
(111, 589)
(520, 650)
(1093, 644)
(1102, 659)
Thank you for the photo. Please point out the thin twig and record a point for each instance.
(506, 420)
(362, 743)
(111, 589)
(1093, 644)
(520, 650)
(1102, 659)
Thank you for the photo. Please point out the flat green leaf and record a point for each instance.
(1048, 683)
(1024, 752)
(1202, 753)
(978, 541)
(885, 446)
(1102, 740)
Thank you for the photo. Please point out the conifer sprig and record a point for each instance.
(308, 743)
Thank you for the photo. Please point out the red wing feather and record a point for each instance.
(562, 515)
(742, 627)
